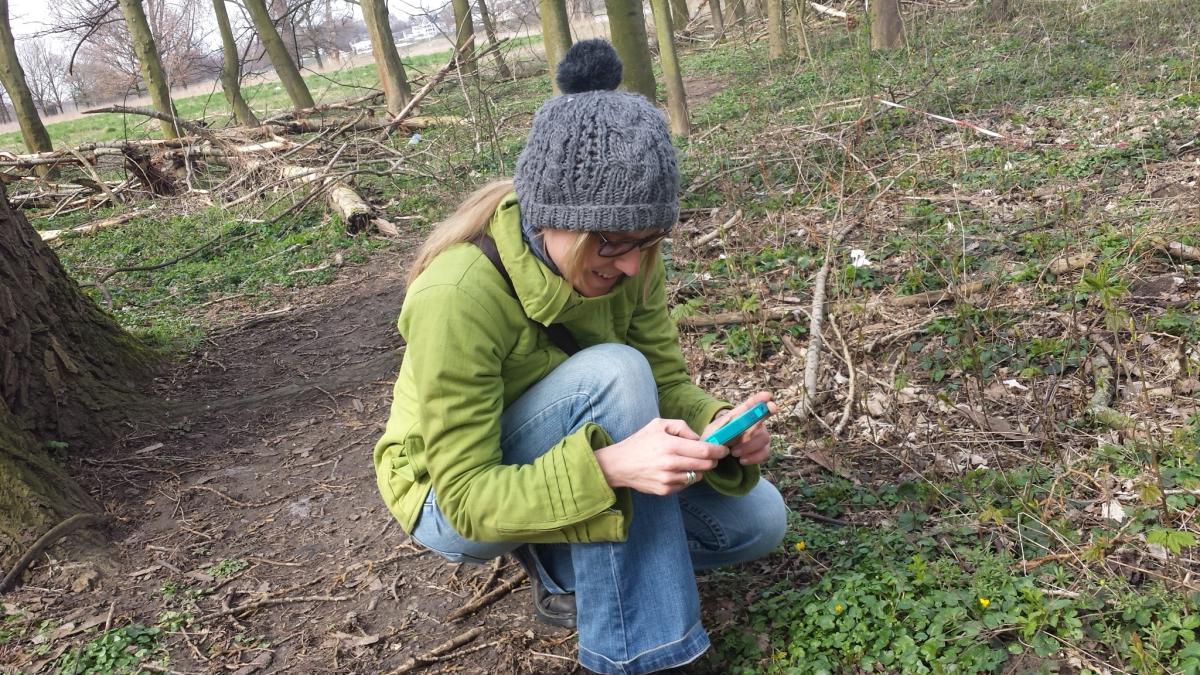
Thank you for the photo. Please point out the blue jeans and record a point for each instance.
(637, 603)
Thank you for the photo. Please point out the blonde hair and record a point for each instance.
(466, 223)
(471, 219)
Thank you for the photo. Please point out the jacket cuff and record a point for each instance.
(732, 478)
(729, 477)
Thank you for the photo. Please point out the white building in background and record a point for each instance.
(361, 47)
(419, 31)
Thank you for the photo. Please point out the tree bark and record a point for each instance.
(387, 59)
(489, 29)
(66, 372)
(148, 60)
(776, 30)
(13, 78)
(677, 110)
(464, 37)
(277, 51)
(231, 75)
(627, 25)
(886, 29)
(737, 9)
(679, 14)
(718, 19)
(997, 12)
(556, 34)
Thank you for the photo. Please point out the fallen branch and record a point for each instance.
(951, 120)
(812, 359)
(846, 411)
(932, 298)
(1178, 249)
(1098, 409)
(45, 541)
(437, 653)
(730, 318)
(150, 112)
(398, 121)
(95, 226)
(706, 238)
(271, 602)
(485, 600)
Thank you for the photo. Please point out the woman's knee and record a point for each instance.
(770, 517)
(621, 366)
(620, 386)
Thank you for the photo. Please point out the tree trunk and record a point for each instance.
(66, 372)
(277, 51)
(718, 19)
(231, 76)
(677, 110)
(147, 55)
(387, 59)
(556, 34)
(679, 14)
(776, 30)
(627, 25)
(886, 30)
(13, 78)
(737, 9)
(489, 29)
(464, 36)
(997, 12)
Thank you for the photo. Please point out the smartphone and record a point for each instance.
(738, 425)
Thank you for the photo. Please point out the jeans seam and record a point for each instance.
(713, 523)
(612, 559)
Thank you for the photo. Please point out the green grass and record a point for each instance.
(161, 305)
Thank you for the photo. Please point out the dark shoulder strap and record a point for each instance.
(558, 333)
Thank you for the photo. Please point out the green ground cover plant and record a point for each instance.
(970, 516)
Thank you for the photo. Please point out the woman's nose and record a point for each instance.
(629, 262)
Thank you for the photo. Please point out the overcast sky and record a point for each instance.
(28, 16)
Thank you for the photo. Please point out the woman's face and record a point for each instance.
(599, 274)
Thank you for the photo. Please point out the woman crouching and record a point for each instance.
(543, 407)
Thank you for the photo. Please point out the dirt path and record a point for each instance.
(258, 485)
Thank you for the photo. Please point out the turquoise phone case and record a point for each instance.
(738, 425)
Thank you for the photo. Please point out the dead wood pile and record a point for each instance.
(306, 155)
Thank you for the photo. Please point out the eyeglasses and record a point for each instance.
(613, 249)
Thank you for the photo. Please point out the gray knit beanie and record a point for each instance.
(597, 159)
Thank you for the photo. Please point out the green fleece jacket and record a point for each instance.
(473, 348)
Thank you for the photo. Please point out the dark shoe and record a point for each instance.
(556, 609)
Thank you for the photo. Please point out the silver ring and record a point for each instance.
(690, 477)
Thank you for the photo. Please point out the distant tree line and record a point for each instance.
(125, 49)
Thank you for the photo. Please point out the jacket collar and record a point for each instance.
(545, 296)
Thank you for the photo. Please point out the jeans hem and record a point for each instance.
(672, 655)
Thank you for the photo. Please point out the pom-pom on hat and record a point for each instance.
(597, 159)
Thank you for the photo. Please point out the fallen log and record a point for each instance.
(823, 9)
(354, 211)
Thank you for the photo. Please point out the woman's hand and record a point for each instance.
(656, 460)
(754, 445)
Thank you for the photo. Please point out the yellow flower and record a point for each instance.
(984, 602)
(800, 546)
(839, 608)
